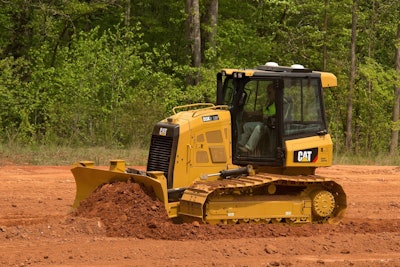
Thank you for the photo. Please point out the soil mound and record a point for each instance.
(126, 209)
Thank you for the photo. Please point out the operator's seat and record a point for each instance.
(268, 141)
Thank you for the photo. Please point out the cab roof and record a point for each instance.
(327, 79)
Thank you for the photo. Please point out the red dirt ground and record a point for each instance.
(37, 228)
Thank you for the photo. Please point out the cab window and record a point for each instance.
(302, 107)
(229, 92)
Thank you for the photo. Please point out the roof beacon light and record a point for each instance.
(272, 64)
(297, 66)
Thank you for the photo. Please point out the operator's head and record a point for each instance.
(271, 91)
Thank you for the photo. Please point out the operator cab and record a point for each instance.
(263, 120)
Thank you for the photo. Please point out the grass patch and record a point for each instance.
(375, 160)
(135, 156)
(63, 156)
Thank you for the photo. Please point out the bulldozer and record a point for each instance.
(201, 167)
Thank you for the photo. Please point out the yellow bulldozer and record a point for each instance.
(251, 157)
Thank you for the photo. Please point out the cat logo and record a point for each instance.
(163, 131)
(306, 155)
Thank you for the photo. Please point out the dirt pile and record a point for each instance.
(126, 209)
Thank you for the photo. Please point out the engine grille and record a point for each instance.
(160, 155)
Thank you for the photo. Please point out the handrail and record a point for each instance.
(196, 105)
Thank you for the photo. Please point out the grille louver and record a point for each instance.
(160, 154)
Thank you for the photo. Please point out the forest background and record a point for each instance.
(101, 73)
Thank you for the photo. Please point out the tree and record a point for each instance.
(349, 113)
(210, 32)
(193, 38)
(394, 142)
(324, 53)
(20, 32)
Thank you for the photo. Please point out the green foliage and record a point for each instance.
(89, 73)
(14, 99)
(107, 77)
(102, 90)
(374, 90)
(241, 46)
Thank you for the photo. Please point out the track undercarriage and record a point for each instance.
(264, 198)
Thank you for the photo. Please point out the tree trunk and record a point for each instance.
(393, 149)
(371, 51)
(349, 113)
(196, 34)
(324, 52)
(212, 32)
(128, 13)
(193, 38)
(188, 27)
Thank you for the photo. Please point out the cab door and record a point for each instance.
(247, 98)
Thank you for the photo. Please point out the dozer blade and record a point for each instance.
(87, 179)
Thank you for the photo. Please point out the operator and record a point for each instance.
(255, 129)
